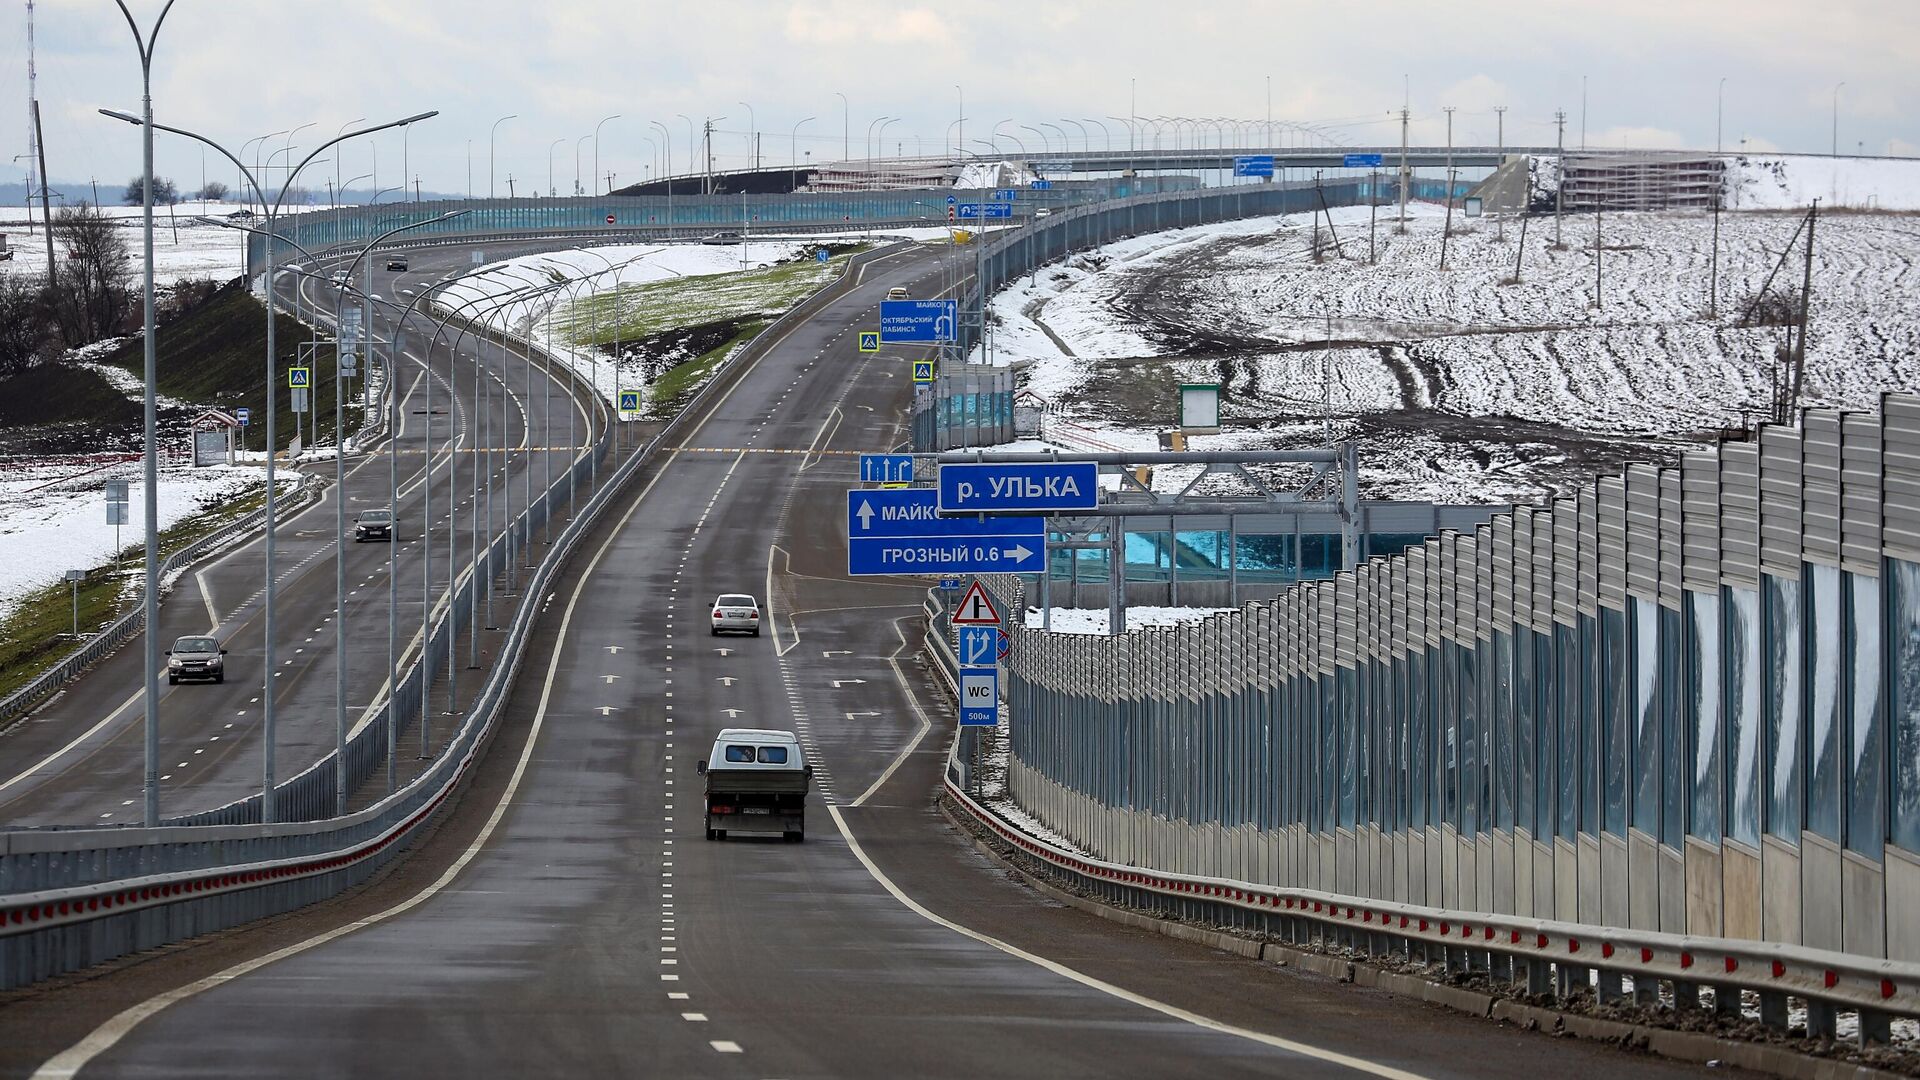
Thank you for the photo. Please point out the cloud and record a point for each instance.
(1639, 138)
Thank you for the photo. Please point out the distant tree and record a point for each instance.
(95, 295)
(23, 323)
(213, 192)
(164, 192)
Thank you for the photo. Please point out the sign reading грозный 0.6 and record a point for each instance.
(900, 531)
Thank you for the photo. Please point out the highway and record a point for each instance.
(568, 918)
(80, 757)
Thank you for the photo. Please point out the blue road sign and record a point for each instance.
(1037, 487)
(821, 255)
(922, 372)
(980, 697)
(1253, 165)
(979, 645)
(886, 468)
(629, 401)
(900, 531)
(1003, 195)
(869, 341)
(950, 584)
(951, 200)
(1361, 161)
(300, 377)
(986, 210)
(1040, 185)
(926, 321)
(245, 416)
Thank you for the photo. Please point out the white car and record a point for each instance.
(736, 611)
(898, 292)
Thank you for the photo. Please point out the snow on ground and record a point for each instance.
(511, 299)
(53, 514)
(1790, 182)
(182, 247)
(1094, 621)
(1465, 388)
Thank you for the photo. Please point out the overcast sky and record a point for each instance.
(235, 70)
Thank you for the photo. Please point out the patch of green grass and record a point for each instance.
(40, 631)
(649, 308)
(62, 393)
(680, 381)
(215, 354)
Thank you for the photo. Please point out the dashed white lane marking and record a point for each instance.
(725, 1046)
(698, 1018)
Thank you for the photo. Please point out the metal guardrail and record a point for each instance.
(128, 625)
(73, 898)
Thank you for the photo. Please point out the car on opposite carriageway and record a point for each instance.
(736, 611)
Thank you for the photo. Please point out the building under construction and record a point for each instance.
(892, 174)
(1641, 181)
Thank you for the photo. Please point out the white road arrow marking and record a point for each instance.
(831, 653)
(606, 710)
(857, 715)
(731, 713)
(865, 514)
(838, 683)
(724, 652)
(728, 680)
(613, 648)
(609, 678)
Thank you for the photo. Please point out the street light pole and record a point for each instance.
(491, 132)
(150, 463)
(337, 185)
(270, 592)
(753, 148)
(793, 148)
(846, 127)
(551, 147)
(596, 151)
(1836, 118)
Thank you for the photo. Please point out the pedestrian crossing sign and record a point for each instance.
(299, 378)
(869, 341)
(629, 401)
(923, 371)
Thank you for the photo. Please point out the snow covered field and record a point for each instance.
(182, 247)
(53, 514)
(1465, 387)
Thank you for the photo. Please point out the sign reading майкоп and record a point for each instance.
(1030, 487)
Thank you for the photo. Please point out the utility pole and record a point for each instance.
(1406, 176)
(1446, 230)
(1373, 211)
(1500, 143)
(1560, 188)
(1806, 309)
(46, 204)
(1597, 249)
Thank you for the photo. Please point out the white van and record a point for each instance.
(757, 782)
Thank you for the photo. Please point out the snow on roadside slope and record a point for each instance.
(196, 250)
(53, 515)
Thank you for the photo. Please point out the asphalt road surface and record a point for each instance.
(583, 925)
(79, 759)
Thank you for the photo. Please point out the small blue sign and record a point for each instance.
(886, 468)
(922, 372)
(925, 321)
(900, 531)
(950, 584)
(245, 416)
(629, 401)
(869, 341)
(980, 697)
(1253, 165)
(1036, 487)
(986, 210)
(951, 200)
(979, 645)
(1041, 185)
(821, 255)
(1003, 195)
(1361, 161)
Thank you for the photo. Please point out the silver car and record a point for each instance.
(196, 657)
(736, 611)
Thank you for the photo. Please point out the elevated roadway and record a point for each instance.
(570, 918)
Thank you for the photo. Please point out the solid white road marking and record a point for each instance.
(1174, 1011)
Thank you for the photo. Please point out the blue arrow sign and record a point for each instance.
(1039, 487)
(1361, 161)
(886, 468)
(900, 531)
(1040, 185)
(985, 210)
(926, 321)
(979, 645)
(979, 697)
(1253, 165)
(821, 255)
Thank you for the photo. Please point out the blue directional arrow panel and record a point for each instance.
(979, 645)
(925, 321)
(979, 697)
(886, 468)
(900, 531)
(1035, 487)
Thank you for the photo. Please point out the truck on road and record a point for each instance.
(757, 782)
